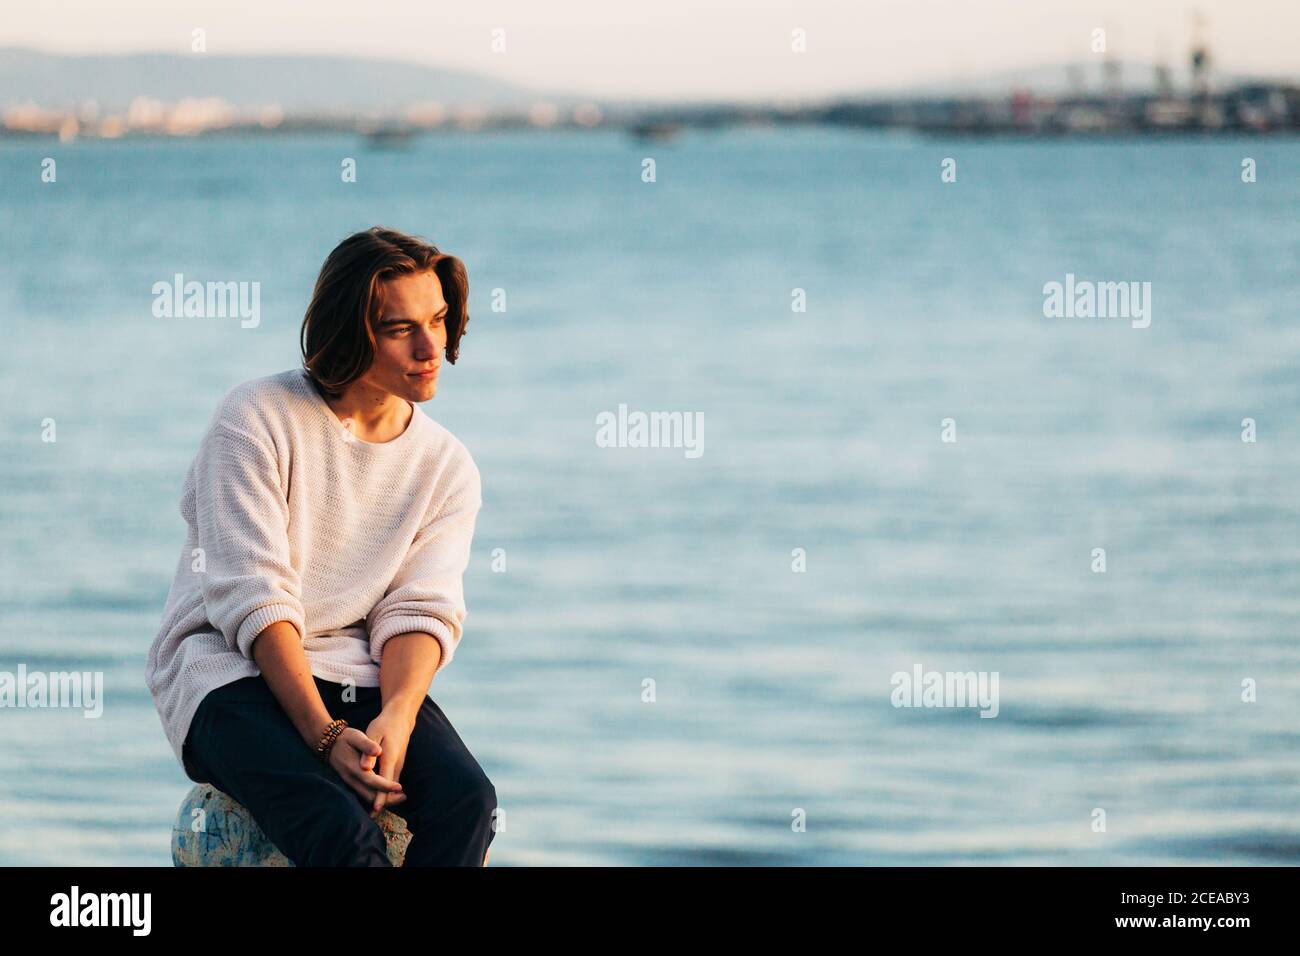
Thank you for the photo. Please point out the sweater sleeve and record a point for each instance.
(427, 593)
(242, 521)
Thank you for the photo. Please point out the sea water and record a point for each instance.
(690, 659)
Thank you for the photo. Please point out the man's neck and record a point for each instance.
(376, 415)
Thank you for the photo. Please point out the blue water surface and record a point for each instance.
(1119, 691)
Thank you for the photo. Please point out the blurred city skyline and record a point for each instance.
(676, 50)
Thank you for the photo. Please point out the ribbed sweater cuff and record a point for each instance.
(392, 626)
(263, 618)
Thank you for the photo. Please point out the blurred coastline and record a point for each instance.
(177, 95)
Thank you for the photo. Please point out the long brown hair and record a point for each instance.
(337, 337)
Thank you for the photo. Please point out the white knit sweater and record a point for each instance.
(292, 518)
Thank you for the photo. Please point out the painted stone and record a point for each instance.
(225, 833)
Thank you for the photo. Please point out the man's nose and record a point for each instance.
(426, 343)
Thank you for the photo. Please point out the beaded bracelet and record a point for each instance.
(327, 738)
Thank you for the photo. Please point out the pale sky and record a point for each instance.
(690, 49)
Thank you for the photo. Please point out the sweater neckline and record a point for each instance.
(405, 438)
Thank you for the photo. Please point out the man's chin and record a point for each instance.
(417, 391)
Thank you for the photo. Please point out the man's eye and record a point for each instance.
(402, 331)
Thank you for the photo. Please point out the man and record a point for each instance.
(320, 587)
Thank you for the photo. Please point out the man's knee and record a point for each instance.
(477, 809)
(483, 798)
(336, 830)
(475, 800)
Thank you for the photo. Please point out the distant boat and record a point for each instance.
(654, 130)
(390, 137)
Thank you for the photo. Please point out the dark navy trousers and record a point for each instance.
(242, 742)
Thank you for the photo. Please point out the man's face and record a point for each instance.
(410, 336)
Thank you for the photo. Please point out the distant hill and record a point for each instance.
(296, 83)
